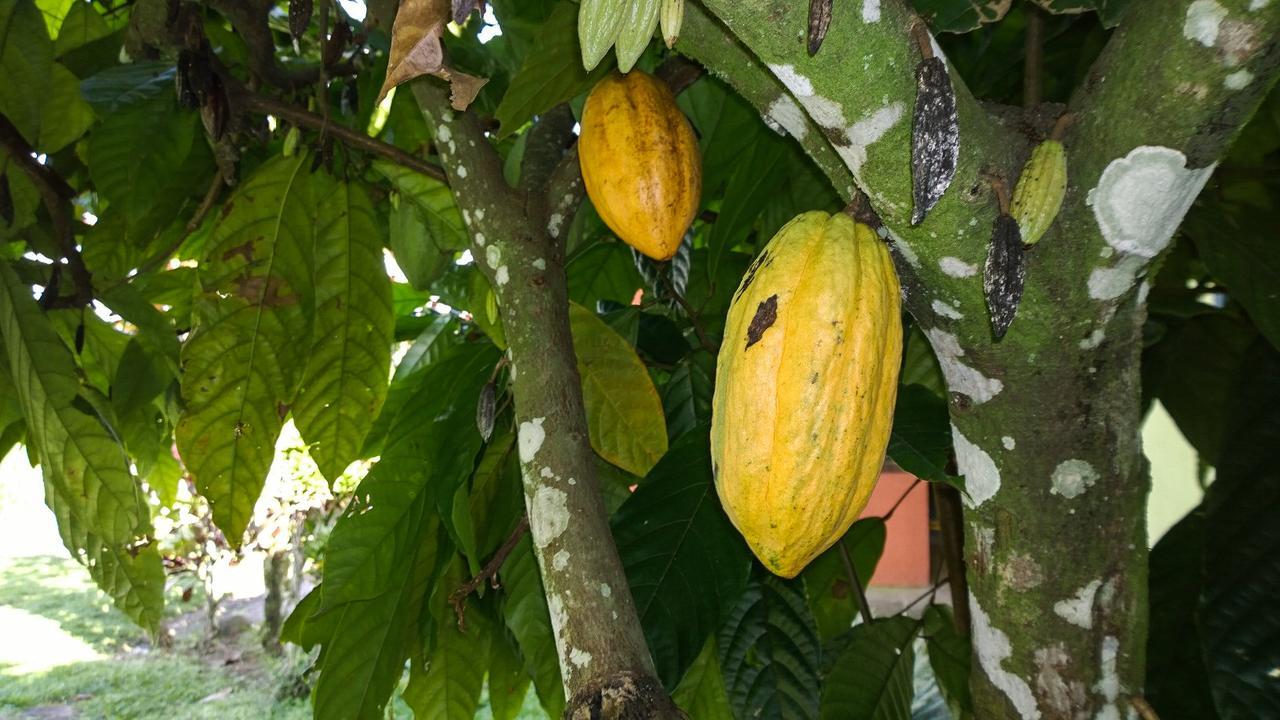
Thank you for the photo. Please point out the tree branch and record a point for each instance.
(57, 196)
(249, 18)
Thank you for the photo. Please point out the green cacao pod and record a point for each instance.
(599, 22)
(671, 18)
(1037, 198)
(637, 30)
(806, 381)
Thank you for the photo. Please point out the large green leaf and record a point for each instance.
(949, 657)
(755, 180)
(508, 682)
(447, 685)
(429, 453)
(701, 693)
(82, 25)
(124, 85)
(605, 271)
(920, 442)
(871, 679)
(549, 76)
(1109, 10)
(347, 371)
(524, 608)
(624, 414)
(769, 652)
(686, 397)
(1249, 265)
(1177, 682)
(960, 16)
(102, 516)
(243, 360)
(415, 250)
(685, 562)
(64, 115)
(131, 180)
(832, 598)
(727, 127)
(433, 199)
(26, 59)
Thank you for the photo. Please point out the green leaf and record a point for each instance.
(415, 249)
(960, 16)
(920, 365)
(755, 180)
(871, 679)
(242, 360)
(433, 199)
(685, 562)
(920, 442)
(448, 686)
(686, 397)
(549, 76)
(82, 25)
(604, 271)
(26, 59)
(131, 180)
(949, 656)
(25, 197)
(64, 116)
(428, 455)
(155, 330)
(124, 85)
(496, 501)
(727, 128)
(102, 516)
(769, 652)
(1109, 10)
(346, 379)
(832, 598)
(624, 414)
(508, 682)
(701, 693)
(524, 608)
(53, 12)
(1249, 265)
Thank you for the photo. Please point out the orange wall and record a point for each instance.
(905, 562)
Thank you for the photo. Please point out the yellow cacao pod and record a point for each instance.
(599, 22)
(637, 30)
(1037, 198)
(671, 18)
(640, 162)
(805, 386)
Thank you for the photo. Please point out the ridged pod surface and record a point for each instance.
(637, 31)
(1037, 198)
(599, 22)
(640, 162)
(805, 387)
(670, 18)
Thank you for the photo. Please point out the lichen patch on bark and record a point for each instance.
(957, 268)
(1204, 18)
(993, 648)
(530, 435)
(1141, 198)
(1078, 610)
(961, 378)
(548, 515)
(981, 476)
(1072, 478)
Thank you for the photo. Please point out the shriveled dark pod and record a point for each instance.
(486, 409)
(935, 131)
(819, 21)
(1005, 271)
(299, 17)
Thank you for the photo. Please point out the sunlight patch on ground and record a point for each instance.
(33, 644)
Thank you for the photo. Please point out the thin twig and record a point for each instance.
(947, 502)
(901, 497)
(927, 593)
(693, 317)
(210, 197)
(1033, 67)
(265, 105)
(458, 598)
(863, 605)
(1143, 707)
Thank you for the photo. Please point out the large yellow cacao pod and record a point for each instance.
(1037, 197)
(640, 162)
(805, 386)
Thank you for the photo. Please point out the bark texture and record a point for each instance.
(1046, 421)
(598, 635)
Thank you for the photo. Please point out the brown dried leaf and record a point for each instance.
(463, 88)
(415, 42)
(463, 8)
(819, 21)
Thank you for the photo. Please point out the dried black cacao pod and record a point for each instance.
(486, 409)
(182, 84)
(300, 17)
(337, 43)
(935, 136)
(1004, 273)
(349, 98)
(216, 110)
(819, 21)
(6, 201)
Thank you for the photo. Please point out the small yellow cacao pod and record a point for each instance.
(599, 22)
(806, 382)
(1037, 198)
(640, 162)
(671, 18)
(637, 30)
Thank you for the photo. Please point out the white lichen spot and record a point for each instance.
(981, 476)
(865, 132)
(1109, 283)
(443, 134)
(1238, 80)
(1061, 696)
(502, 276)
(993, 648)
(466, 216)
(902, 248)
(548, 515)
(947, 311)
(784, 115)
(479, 214)
(573, 481)
(561, 560)
(554, 224)
(1094, 340)
(1072, 478)
(1204, 17)
(580, 658)
(547, 473)
(1008, 442)
(1109, 683)
(605, 590)
(1255, 5)
(461, 171)
(870, 11)
(985, 545)
(555, 608)
(530, 434)
(957, 268)
(493, 255)
(798, 84)
(1078, 610)
(961, 378)
(539, 264)
(1141, 198)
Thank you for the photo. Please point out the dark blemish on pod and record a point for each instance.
(762, 260)
(766, 314)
